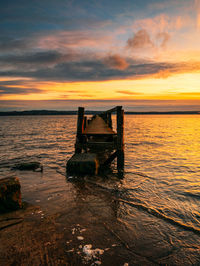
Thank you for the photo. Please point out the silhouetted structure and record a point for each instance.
(97, 144)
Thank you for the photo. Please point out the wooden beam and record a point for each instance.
(111, 110)
(109, 119)
(85, 121)
(80, 128)
(96, 145)
(110, 159)
(120, 138)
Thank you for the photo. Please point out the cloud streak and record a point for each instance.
(57, 67)
(7, 90)
(128, 92)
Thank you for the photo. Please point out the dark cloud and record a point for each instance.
(56, 66)
(17, 90)
(116, 62)
(11, 44)
(140, 40)
(39, 58)
(13, 82)
(93, 70)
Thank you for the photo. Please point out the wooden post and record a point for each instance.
(85, 121)
(104, 117)
(109, 120)
(120, 138)
(80, 125)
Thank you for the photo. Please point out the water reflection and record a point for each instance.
(162, 173)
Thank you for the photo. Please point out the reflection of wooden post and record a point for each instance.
(80, 125)
(120, 138)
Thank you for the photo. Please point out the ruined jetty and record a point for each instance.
(97, 143)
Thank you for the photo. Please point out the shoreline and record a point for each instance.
(82, 223)
(53, 112)
(66, 230)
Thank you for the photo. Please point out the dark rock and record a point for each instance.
(10, 194)
(34, 166)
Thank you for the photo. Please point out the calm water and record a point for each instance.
(157, 201)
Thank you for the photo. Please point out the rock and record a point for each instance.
(10, 194)
(34, 166)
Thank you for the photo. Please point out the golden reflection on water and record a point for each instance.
(162, 166)
(154, 208)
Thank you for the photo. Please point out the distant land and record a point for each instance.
(53, 112)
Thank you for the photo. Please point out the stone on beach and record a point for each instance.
(10, 194)
(34, 166)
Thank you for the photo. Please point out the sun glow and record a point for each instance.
(179, 86)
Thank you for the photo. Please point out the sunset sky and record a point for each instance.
(60, 54)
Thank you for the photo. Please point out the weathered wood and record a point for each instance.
(85, 122)
(110, 159)
(96, 145)
(109, 119)
(82, 164)
(80, 127)
(80, 120)
(111, 110)
(120, 138)
(95, 135)
(98, 126)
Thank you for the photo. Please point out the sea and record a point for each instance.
(156, 203)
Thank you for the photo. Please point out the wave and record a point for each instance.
(162, 216)
(191, 195)
(146, 143)
(149, 210)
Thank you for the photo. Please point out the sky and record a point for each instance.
(58, 54)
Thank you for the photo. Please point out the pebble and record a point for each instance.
(80, 237)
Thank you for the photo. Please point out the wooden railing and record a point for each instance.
(82, 123)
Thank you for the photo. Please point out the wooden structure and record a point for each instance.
(96, 136)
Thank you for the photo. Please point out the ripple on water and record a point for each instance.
(162, 168)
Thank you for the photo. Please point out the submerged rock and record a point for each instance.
(34, 166)
(10, 194)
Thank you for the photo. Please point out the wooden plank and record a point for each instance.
(99, 135)
(111, 110)
(98, 126)
(97, 145)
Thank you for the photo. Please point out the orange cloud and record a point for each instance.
(116, 62)
(128, 92)
(140, 40)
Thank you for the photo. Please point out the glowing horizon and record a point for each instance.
(131, 51)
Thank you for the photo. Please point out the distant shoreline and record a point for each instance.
(52, 112)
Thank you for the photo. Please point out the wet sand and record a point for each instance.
(60, 229)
